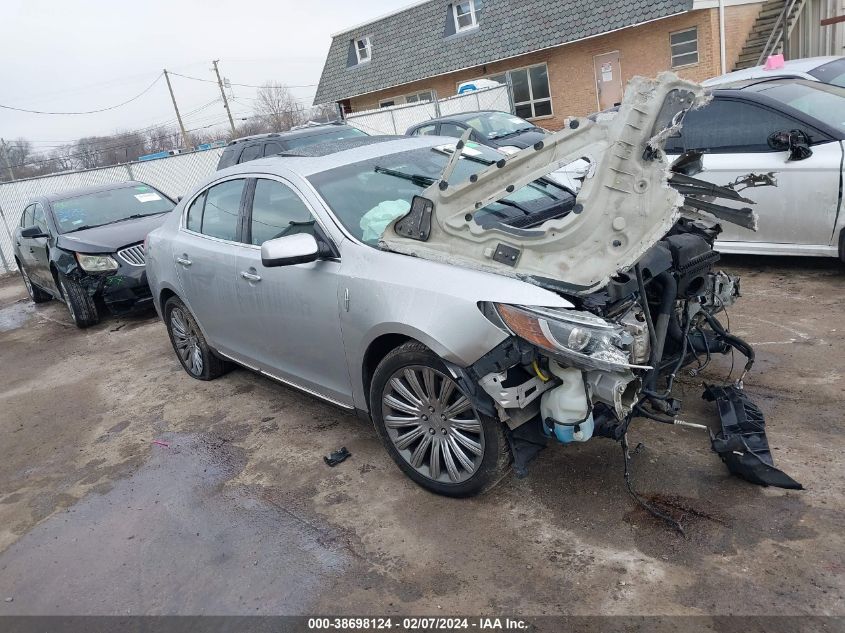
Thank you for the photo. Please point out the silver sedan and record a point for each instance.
(280, 265)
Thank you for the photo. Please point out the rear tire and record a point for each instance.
(35, 293)
(79, 303)
(191, 348)
(430, 428)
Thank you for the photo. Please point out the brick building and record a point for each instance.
(560, 57)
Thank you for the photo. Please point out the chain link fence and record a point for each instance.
(397, 119)
(174, 175)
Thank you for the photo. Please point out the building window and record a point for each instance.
(530, 90)
(363, 49)
(417, 97)
(465, 17)
(684, 45)
(423, 96)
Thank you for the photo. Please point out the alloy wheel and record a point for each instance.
(186, 341)
(432, 424)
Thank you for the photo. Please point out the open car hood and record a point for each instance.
(625, 205)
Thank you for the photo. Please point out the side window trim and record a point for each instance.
(183, 220)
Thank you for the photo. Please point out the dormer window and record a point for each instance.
(465, 17)
(363, 49)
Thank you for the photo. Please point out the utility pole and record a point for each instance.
(185, 138)
(223, 92)
(6, 160)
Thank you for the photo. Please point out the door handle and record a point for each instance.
(184, 261)
(250, 276)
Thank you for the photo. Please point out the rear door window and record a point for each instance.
(220, 213)
(426, 130)
(252, 152)
(271, 149)
(194, 222)
(277, 210)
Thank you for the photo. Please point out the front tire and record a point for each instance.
(79, 303)
(190, 345)
(430, 428)
(35, 293)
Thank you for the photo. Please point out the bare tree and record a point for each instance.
(324, 113)
(278, 107)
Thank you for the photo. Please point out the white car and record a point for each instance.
(829, 70)
(791, 128)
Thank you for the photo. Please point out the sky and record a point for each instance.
(77, 55)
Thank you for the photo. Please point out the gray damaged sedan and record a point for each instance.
(472, 308)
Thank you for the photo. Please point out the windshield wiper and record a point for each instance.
(130, 217)
(506, 134)
(418, 179)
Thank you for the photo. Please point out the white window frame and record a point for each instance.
(672, 46)
(531, 100)
(368, 47)
(413, 97)
(472, 15)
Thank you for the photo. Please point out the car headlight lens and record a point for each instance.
(96, 263)
(508, 149)
(580, 338)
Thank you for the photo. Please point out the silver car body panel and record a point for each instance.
(366, 294)
(627, 204)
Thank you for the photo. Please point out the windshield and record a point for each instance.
(831, 73)
(325, 137)
(820, 101)
(368, 195)
(493, 125)
(108, 207)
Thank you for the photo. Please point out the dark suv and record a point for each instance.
(249, 148)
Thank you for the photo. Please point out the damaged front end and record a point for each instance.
(634, 256)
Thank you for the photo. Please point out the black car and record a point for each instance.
(500, 130)
(249, 148)
(86, 247)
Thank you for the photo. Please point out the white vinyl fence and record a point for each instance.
(397, 119)
(174, 175)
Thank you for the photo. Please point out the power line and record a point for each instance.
(240, 85)
(138, 96)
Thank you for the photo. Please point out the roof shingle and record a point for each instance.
(412, 44)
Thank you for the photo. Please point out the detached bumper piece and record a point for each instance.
(741, 442)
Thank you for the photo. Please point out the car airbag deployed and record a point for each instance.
(624, 206)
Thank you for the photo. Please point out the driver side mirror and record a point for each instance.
(32, 232)
(299, 248)
(796, 142)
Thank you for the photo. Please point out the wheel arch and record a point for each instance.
(378, 348)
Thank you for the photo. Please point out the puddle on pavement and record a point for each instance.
(16, 315)
(172, 539)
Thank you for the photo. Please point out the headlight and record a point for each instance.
(96, 263)
(509, 149)
(580, 338)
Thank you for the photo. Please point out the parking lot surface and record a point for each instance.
(233, 511)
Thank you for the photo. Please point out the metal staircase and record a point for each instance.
(770, 32)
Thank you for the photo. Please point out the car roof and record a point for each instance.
(312, 130)
(789, 69)
(75, 193)
(760, 84)
(460, 116)
(315, 159)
